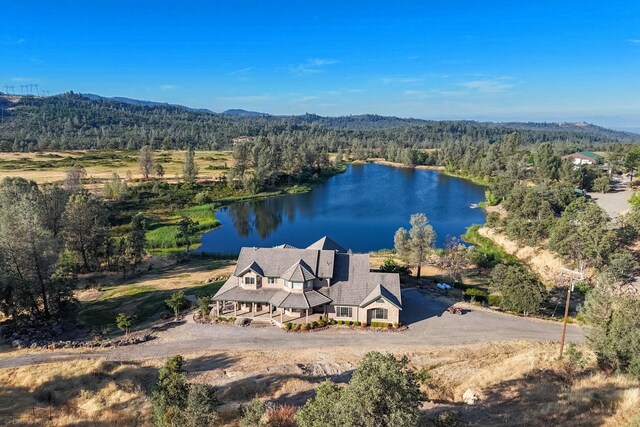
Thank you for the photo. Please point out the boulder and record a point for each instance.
(16, 343)
(470, 397)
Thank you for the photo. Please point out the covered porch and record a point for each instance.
(267, 312)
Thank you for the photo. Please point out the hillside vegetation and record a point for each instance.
(72, 121)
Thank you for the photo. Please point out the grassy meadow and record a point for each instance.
(47, 167)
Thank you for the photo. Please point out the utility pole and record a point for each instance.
(572, 274)
(566, 315)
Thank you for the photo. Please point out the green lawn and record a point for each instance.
(165, 234)
(144, 302)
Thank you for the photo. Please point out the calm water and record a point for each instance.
(360, 209)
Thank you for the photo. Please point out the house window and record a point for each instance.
(344, 311)
(380, 313)
(297, 285)
(249, 280)
(271, 280)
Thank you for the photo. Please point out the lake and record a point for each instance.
(361, 209)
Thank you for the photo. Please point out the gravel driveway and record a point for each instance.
(428, 325)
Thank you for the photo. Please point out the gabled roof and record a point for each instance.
(252, 267)
(285, 246)
(327, 244)
(353, 281)
(381, 292)
(298, 272)
(275, 261)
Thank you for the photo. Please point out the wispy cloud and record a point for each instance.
(168, 87)
(487, 86)
(24, 79)
(634, 41)
(401, 79)
(241, 71)
(12, 41)
(312, 66)
(304, 99)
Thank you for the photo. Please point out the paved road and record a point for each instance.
(428, 326)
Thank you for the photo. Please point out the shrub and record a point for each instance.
(252, 413)
(315, 324)
(340, 322)
(475, 294)
(333, 321)
(396, 325)
(389, 325)
(356, 323)
(307, 326)
(297, 327)
(380, 324)
(493, 219)
(280, 416)
(582, 287)
(303, 327)
(202, 198)
(349, 322)
(391, 266)
(287, 326)
(494, 300)
(203, 303)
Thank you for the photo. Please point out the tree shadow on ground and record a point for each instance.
(292, 389)
(543, 398)
(110, 394)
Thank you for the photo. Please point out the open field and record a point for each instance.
(517, 383)
(44, 167)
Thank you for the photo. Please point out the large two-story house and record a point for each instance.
(285, 283)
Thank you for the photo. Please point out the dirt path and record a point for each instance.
(428, 326)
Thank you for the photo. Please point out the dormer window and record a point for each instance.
(249, 280)
(293, 285)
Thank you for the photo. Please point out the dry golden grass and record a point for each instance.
(172, 162)
(540, 260)
(82, 392)
(518, 381)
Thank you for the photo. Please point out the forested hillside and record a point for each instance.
(72, 121)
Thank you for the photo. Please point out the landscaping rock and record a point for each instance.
(242, 321)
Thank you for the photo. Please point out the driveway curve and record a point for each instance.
(428, 325)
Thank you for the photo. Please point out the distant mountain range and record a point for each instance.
(142, 103)
(374, 121)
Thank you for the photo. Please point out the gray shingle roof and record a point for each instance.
(380, 292)
(298, 272)
(253, 267)
(285, 246)
(326, 243)
(237, 293)
(275, 261)
(304, 300)
(353, 282)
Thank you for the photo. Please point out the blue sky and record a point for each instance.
(484, 60)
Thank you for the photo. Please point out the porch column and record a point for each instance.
(218, 308)
(281, 315)
(307, 316)
(235, 309)
(253, 309)
(270, 311)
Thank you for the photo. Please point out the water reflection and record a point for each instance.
(360, 208)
